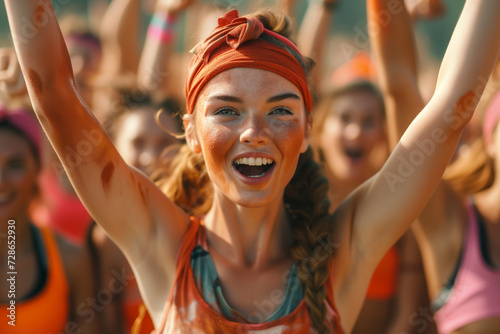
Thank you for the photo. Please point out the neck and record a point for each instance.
(252, 237)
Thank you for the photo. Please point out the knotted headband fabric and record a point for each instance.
(491, 118)
(234, 43)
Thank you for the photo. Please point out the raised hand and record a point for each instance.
(425, 9)
(12, 83)
(173, 6)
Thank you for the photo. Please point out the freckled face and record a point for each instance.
(18, 173)
(251, 127)
(353, 139)
(141, 141)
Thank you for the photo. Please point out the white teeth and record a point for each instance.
(253, 161)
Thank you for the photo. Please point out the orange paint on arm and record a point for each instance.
(466, 104)
(36, 82)
(106, 175)
(38, 17)
(142, 195)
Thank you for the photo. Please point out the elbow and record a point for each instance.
(459, 113)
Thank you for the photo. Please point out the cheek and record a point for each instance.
(292, 136)
(331, 136)
(24, 180)
(216, 141)
(375, 135)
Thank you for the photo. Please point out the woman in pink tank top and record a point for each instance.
(248, 171)
(459, 240)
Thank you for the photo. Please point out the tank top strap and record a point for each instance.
(472, 247)
(330, 299)
(183, 256)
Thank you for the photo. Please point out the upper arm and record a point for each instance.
(395, 55)
(123, 201)
(390, 201)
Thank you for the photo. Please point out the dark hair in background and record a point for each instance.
(131, 101)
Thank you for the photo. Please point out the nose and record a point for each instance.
(353, 131)
(146, 158)
(256, 131)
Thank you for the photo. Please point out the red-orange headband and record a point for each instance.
(234, 43)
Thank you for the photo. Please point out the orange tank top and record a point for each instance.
(187, 312)
(48, 311)
(385, 278)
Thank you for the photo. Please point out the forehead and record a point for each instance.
(142, 121)
(360, 102)
(247, 83)
(13, 143)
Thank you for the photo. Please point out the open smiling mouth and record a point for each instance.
(253, 167)
(354, 153)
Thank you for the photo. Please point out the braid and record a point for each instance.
(307, 201)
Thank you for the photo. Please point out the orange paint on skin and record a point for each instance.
(38, 19)
(142, 194)
(464, 109)
(106, 175)
(465, 103)
(36, 82)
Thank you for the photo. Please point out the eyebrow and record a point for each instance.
(276, 98)
(284, 96)
(226, 98)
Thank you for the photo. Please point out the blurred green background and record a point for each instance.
(350, 19)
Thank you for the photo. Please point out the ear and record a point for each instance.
(191, 136)
(307, 133)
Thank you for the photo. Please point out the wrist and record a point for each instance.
(162, 26)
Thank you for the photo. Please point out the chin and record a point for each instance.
(252, 199)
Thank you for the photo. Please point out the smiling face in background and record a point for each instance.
(140, 140)
(353, 138)
(18, 173)
(251, 126)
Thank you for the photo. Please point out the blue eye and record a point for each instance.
(281, 111)
(226, 112)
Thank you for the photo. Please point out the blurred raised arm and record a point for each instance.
(118, 33)
(394, 50)
(314, 32)
(159, 47)
(379, 212)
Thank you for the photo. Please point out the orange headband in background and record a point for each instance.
(234, 43)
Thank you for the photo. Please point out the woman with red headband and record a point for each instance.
(256, 254)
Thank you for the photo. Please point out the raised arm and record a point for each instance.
(118, 34)
(136, 215)
(159, 47)
(12, 86)
(313, 34)
(394, 50)
(378, 212)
